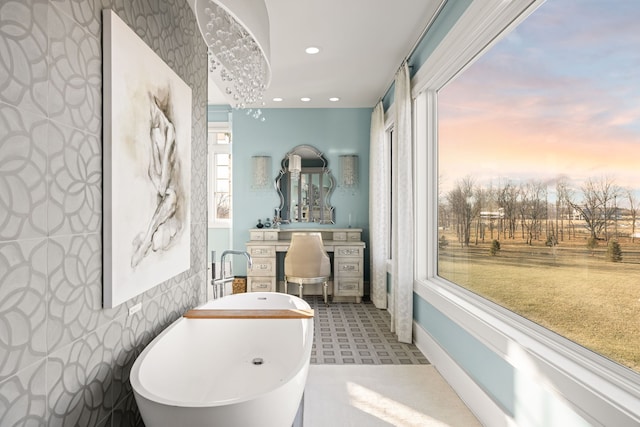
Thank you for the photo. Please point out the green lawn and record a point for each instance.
(569, 290)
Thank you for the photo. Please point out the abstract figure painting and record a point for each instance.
(147, 163)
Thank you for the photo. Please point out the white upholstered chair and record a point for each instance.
(307, 262)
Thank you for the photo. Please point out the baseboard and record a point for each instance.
(478, 402)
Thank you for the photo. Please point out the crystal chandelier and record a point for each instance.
(237, 36)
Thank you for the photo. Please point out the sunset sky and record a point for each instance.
(559, 95)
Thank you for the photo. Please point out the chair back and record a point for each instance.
(306, 257)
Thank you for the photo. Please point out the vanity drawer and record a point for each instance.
(346, 236)
(348, 251)
(263, 267)
(340, 236)
(256, 235)
(270, 235)
(348, 287)
(262, 251)
(348, 266)
(261, 284)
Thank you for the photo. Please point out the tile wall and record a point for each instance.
(64, 361)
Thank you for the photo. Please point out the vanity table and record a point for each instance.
(345, 244)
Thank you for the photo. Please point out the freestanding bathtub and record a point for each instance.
(226, 372)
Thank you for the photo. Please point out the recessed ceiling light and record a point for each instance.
(334, 99)
(312, 50)
(305, 99)
(278, 99)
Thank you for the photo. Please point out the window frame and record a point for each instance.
(213, 149)
(598, 389)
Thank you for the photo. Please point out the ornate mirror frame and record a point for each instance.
(294, 207)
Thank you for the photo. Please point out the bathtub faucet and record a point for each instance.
(220, 283)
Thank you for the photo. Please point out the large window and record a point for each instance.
(539, 184)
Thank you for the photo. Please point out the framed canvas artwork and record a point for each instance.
(146, 166)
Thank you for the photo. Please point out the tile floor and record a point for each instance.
(357, 334)
(360, 375)
(382, 396)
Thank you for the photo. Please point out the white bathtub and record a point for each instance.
(202, 372)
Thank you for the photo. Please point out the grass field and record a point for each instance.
(568, 289)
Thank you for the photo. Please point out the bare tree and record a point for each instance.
(223, 205)
(562, 194)
(569, 198)
(444, 211)
(596, 208)
(608, 191)
(462, 208)
(479, 202)
(491, 202)
(507, 201)
(532, 209)
(633, 211)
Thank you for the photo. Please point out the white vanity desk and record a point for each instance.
(348, 260)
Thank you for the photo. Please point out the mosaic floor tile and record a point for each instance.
(350, 333)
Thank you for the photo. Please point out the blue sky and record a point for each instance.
(559, 95)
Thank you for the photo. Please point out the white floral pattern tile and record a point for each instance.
(22, 305)
(65, 361)
(23, 174)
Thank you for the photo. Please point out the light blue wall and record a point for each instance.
(528, 402)
(445, 20)
(219, 113)
(219, 239)
(488, 370)
(333, 131)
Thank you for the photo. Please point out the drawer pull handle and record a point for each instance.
(349, 251)
(349, 268)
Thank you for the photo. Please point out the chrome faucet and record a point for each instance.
(220, 283)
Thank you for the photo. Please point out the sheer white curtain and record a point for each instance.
(403, 236)
(378, 208)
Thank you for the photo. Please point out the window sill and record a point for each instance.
(219, 224)
(598, 389)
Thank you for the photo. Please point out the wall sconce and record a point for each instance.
(261, 172)
(349, 171)
(295, 166)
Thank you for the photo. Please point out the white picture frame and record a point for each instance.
(147, 124)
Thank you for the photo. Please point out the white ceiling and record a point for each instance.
(362, 42)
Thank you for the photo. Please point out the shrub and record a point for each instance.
(495, 247)
(551, 241)
(614, 251)
(443, 242)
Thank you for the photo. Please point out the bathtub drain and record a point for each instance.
(257, 361)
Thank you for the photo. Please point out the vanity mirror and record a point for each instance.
(304, 185)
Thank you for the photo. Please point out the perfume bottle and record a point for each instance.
(259, 224)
